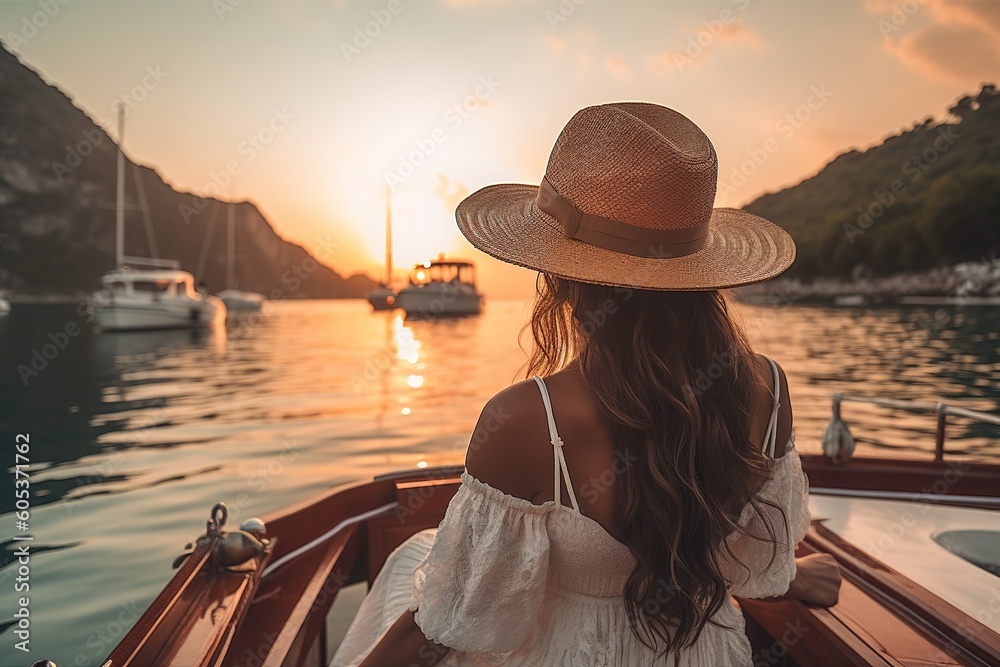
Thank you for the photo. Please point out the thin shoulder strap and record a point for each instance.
(771, 436)
(559, 458)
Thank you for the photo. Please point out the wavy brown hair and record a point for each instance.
(673, 374)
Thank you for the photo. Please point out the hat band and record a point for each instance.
(619, 236)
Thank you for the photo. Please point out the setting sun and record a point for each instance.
(422, 227)
(241, 241)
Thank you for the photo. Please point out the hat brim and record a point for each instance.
(742, 248)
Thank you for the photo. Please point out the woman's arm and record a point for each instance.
(404, 645)
(504, 445)
(817, 581)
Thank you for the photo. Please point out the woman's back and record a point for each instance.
(609, 523)
(527, 581)
(510, 449)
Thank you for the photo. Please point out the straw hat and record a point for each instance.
(627, 201)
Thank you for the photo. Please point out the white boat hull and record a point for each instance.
(427, 301)
(125, 314)
(237, 300)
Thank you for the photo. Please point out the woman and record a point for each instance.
(671, 480)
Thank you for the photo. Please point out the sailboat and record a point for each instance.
(162, 297)
(233, 298)
(383, 297)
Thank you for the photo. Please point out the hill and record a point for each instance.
(926, 198)
(57, 193)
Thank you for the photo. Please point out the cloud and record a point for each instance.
(949, 51)
(462, 4)
(582, 50)
(618, 67)
(738, 32)
(700, 43)
(667, 63)
(555, 44)
(982, 13)
(879, 6)
(583, 61)
(961, 43)
(450, 192)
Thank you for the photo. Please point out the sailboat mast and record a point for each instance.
(388, 236)
(231, 249)
(120, 195)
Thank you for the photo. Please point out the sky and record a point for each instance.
(308, 108)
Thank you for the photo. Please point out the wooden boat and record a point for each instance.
(272, 610)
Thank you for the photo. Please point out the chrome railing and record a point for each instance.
(838, 443)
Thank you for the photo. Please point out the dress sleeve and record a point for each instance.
(480, 588)
(756, 575)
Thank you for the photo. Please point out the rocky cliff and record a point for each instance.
(57, 193)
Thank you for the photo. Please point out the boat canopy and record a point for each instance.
(133, 276)
(168, 282)
(444, 271)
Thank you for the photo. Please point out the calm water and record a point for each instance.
(135, 436)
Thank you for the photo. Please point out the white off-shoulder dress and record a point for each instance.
(503, 581)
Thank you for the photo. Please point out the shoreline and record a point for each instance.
(964, 284)
(20, 298)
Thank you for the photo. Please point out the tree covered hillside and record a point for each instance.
(927, 197)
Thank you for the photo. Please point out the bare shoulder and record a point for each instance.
(509, 449)
(784, 401)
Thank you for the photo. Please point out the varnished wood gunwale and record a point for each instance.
(952, 482)
(149, 634)
(283, 627)
(194, 619)
(278, 628)
(951, 627)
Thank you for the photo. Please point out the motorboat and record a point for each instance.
(4, 307)
(441, 288)
(916, 591)
(138, 299)
(162, 297)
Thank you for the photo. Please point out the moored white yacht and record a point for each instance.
(160, 298)
(441, 288)
(153, 299)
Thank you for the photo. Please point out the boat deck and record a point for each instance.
(900, 534)
(906, 601)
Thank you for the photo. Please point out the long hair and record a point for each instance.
(673, 375)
